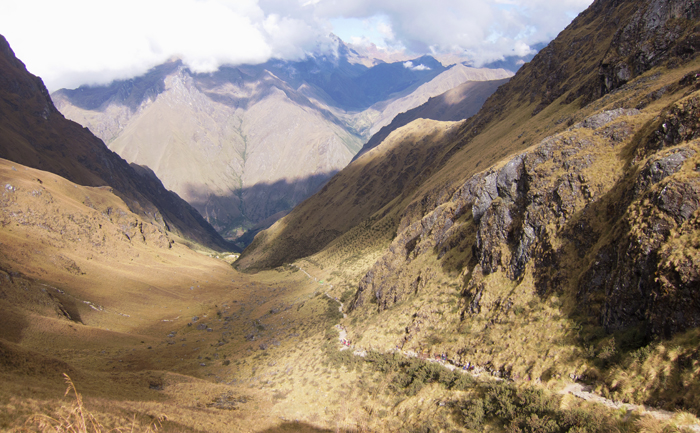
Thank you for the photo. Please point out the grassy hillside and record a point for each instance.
(164, 338)
(245, 144)
(511, 120)
(34, 133)
(459, 103)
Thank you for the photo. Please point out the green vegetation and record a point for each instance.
(531, 410)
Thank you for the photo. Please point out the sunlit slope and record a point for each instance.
(147, 328)
(367, 186)
(86, 239)
(452, 78)
(238, 148)
(458, 103)
(245, 144)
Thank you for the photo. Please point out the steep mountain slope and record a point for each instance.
(510, 120)
(572, 250)
(230, 144)
(245, 144)
(364, 188)
(34, 133)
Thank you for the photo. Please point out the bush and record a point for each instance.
(474, 414)
(529, 410)
(333, 314)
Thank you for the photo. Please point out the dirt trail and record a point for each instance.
(584, 392)
(576, 389)
(307, 274)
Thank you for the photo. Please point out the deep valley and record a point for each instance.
(517, 255)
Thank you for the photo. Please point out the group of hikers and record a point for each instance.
(466, 367)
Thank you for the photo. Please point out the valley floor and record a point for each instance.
(212, 349)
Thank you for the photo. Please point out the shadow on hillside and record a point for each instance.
(470, 97)
(133, 92)
(256, 207)
(266, 84)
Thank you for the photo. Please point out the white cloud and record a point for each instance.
(411, 66)
(74, 42)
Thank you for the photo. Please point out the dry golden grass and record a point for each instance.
(270, 374)
(78, 419)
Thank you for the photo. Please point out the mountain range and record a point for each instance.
(571, 197)
(245, 144)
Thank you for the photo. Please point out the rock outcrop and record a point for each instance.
(605, 211)
(566, 207)
(661, 32)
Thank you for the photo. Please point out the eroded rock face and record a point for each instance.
(515, 210)
(649, 276)
(661, 30)
(561, 210)
(680, 123)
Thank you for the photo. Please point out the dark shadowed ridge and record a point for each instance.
(264, 203)
(34, 133)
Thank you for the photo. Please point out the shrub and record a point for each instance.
(473, 414)
(529, 410)
(80, 420)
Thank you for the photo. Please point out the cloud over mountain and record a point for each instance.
(76, 42)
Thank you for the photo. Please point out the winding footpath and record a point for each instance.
(576, 389)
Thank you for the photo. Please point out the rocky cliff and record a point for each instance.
(602, 215)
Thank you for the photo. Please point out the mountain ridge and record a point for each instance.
(225, 141)
(509, 272)
(36, 134)
(572, 193)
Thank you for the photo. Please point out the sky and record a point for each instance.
(69, 43)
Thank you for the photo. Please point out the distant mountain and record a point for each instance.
(459, 103)
(34, 133)
(244, 145)
(455, 76)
